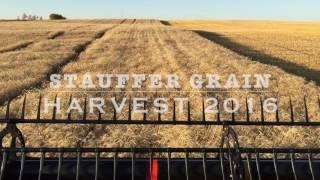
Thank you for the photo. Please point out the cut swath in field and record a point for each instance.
(30, 67)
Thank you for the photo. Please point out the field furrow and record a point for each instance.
(46, 57)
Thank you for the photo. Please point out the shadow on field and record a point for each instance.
(255, 55)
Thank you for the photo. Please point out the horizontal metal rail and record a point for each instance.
(162, 122)
(163, 150)
(248, 121)
(158, 166)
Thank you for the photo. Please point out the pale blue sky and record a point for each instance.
(167, 9)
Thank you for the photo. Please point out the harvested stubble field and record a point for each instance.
(292, 46)
(149, 47)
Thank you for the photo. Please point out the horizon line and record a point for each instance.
(178, 19)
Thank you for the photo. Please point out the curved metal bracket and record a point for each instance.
(230, 141)
(15, 133)
(12, 130)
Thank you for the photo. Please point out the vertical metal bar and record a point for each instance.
(8, 110)
(133, 159)
(114, 110)
(99, 116)
(291, 110)
(174, 111)
(311, 166)
(129, 110)
(204, 165)
(275, 164)
(258, 166)
(189, 111)
(23, 157)
(218, 109)
(306, 108)
(249, 166)
(231, 165)
(262, 109)
(145, 108)
(221, 154)
(96, 174)
(70, 101)
(159, 115)
(23, 111)
(59, 165)
(169, 165)
(247, 110)
(233, 116)
(203, 110)
(3, 164)
(54, 112)
(292, 159)
(41, 164)
(39, 108)
(85, 109)
(78, 164)
(186, 163)
(115, 164)
(277, 111)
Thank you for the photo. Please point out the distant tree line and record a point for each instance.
(29, 17)
(56, 17)
(26, 17)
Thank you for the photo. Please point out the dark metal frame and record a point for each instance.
(221, 165)
(230, 160)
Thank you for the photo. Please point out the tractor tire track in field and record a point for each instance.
(26, 44)
(310, 75)
(16, 47)
(57, 68)
(134, 38)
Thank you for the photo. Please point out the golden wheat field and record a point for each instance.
(31, 51)
(293, 46)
